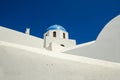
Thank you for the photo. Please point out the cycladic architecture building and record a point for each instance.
(56, 38)
(56, 57)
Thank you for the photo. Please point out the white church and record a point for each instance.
(56, 57)
(57, 38)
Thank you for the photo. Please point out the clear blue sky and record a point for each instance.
(83, 19)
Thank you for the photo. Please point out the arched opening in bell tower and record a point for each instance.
(64, 35)
(54, 34)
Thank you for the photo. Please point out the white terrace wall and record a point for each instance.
(12, 36)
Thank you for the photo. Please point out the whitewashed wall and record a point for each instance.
(24, 63)
(12, 36)
(107, 45)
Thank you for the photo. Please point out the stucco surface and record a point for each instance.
(31, 64)
(13, 36)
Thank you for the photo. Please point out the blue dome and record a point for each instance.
(56, 27)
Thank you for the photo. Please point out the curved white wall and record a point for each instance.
(107, 45)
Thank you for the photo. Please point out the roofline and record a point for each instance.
(80, 45)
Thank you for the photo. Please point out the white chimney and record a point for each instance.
(27, 31)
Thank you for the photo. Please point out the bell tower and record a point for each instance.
(57, 38)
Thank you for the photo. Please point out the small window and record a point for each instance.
(64, 35)
(46, 34)
(62, 45)
(54, 34)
